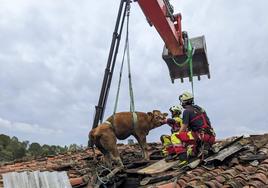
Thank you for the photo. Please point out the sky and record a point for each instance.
(53, 55)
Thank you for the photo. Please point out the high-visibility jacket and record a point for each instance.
(175, 123)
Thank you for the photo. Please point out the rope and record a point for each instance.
(189, 60)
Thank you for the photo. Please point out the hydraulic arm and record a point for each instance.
(159, 14)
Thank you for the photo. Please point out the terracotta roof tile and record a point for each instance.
(182, 182)
(226, 186)
(256, 184)
(195, 183)
(259, 176)
(198, 171)
(169, 185)
(241, 181)
(213, 184)
(76, 181)
(231, 172)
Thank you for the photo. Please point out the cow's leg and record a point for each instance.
(116, 157)
(107, 160)
(109, 143)
(142, 142)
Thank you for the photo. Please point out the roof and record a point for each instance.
(241, 162)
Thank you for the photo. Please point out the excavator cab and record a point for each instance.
(179, 69)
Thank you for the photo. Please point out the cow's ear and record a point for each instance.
(165, 114)
(150, 114)
(156, 112)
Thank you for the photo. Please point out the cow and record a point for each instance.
(121, 126)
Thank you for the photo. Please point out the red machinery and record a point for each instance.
(159, 14)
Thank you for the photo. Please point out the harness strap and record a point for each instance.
(201, 115)
(107, 122)
(134, 120)
(110, 124)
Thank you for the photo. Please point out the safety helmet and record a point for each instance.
(186, 98)
(177, 109)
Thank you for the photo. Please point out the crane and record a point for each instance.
(159, 13)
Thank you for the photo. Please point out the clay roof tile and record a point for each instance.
(231, 172)
(259, 176)
(220, 178)
(256, 184)
(213, 184)
(182, 182)
(169, 185)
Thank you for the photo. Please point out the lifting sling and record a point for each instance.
(131, 94)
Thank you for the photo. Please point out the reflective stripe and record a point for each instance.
(166, 141)
(174, 139)
(190, 135)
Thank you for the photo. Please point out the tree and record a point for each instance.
(73, 147)
(25, 144)
(16, 149)
(35, 149)
(15, 139)
(4, 140)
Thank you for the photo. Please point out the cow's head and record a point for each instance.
(157, 118)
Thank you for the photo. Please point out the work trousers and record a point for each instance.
(185, 142)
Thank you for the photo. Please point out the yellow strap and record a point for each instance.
(190, 135)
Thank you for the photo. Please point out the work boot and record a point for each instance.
(182, 159)
(170, 157)
(181, 156)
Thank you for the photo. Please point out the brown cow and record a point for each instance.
(121, 126)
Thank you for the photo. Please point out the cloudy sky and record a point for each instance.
(53, 55)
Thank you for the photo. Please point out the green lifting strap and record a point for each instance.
(131, 93)
(189, 60)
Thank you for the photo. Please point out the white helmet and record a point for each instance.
(186, 98)
(177, 108)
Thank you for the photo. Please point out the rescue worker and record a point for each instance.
(169, 142)
(196, 130)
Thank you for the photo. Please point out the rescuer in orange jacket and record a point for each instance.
(196, 129)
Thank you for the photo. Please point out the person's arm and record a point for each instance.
(185, 120)
(170, 121)
(183, 128)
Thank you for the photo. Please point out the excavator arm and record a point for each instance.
(159, 14)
